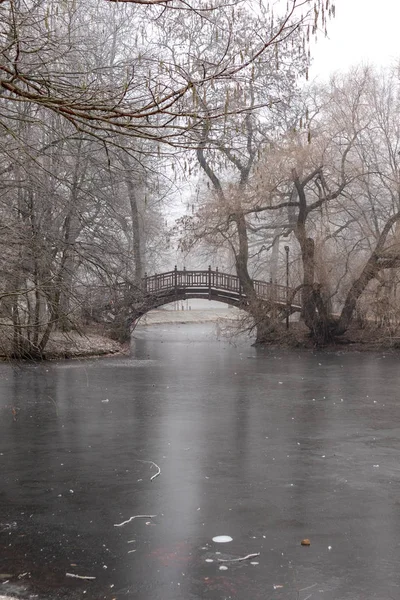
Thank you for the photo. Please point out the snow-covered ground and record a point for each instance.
(188, 316)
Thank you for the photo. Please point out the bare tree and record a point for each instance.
(336, 184)
(228, 148)
(145, 92)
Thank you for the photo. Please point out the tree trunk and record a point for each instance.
(136, 233)
(274, 259)
(242, 256)
(131, 186)
(120, 331)
(308, 261)
(314, 311)
(368, 273)
(257, 309)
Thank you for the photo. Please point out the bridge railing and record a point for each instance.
(271, 291)
(226, 281)
(160, 282)
(192, 279)
(209, 279)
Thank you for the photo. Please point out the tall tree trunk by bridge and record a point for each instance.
(121, 329)
(314, 311)
(257, 307)
(242, 255)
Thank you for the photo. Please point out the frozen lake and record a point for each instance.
(266, 447)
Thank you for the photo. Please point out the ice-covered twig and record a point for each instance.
(151, 462)
(78, 576)
(239, 559)
(308, 587)
(155, 474)
(134, 517)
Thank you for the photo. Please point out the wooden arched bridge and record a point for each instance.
(209, 284)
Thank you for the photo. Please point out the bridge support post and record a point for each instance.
(209, 282)
(176, 279)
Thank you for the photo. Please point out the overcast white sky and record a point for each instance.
(363, 30)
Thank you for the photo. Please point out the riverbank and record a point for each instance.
(94, 341)
(230, 324)
(71, 345)
(370, 338)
